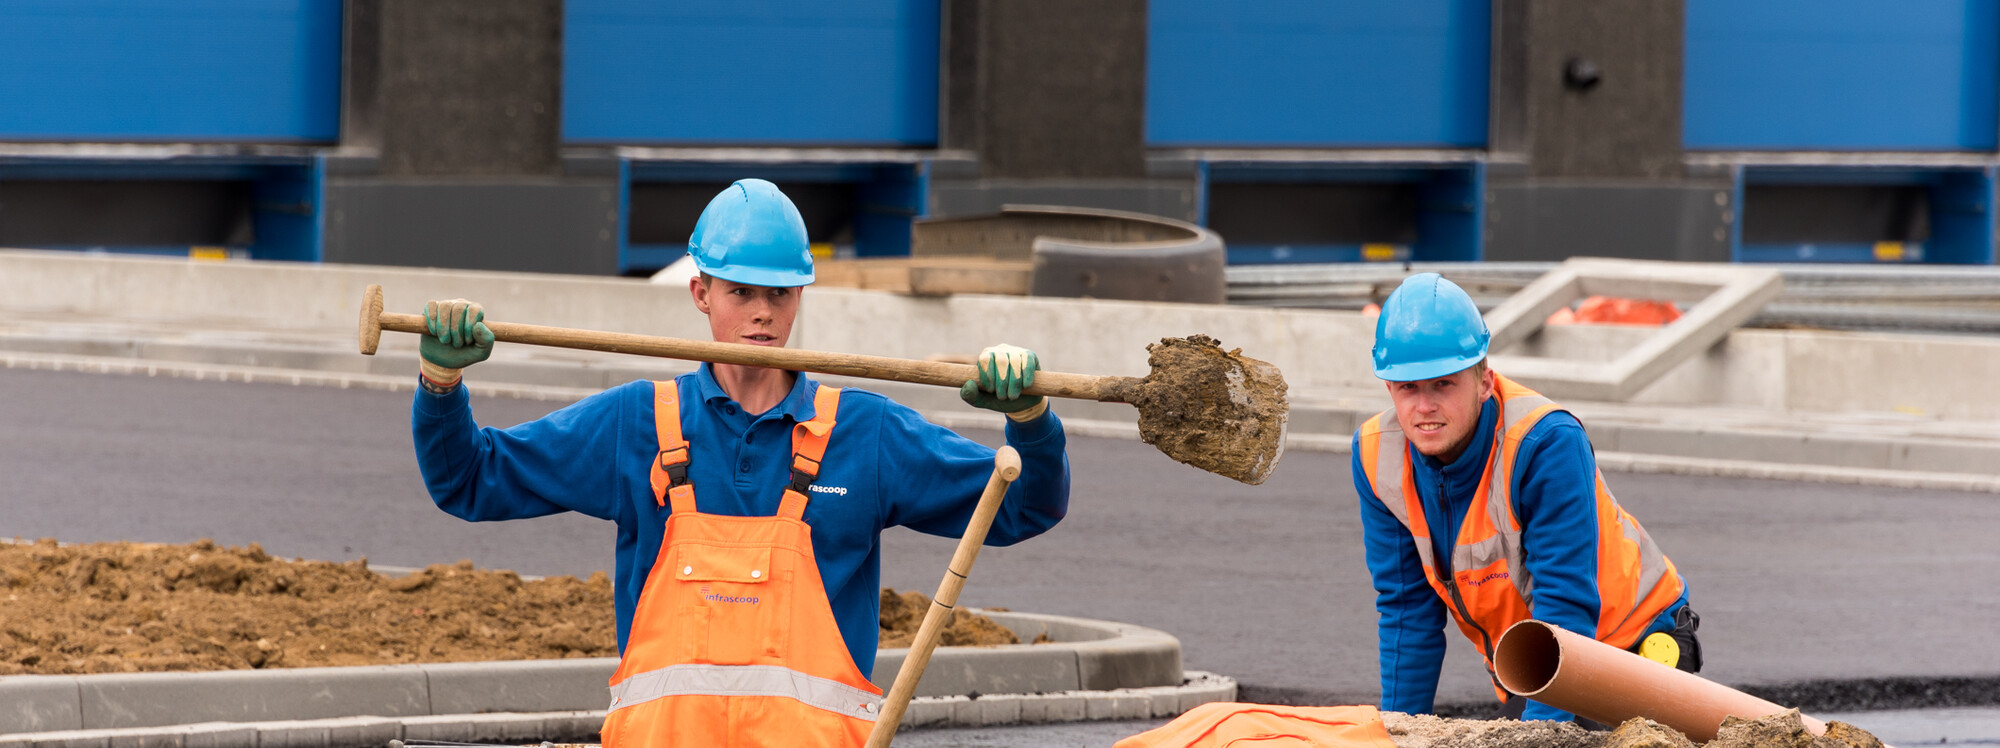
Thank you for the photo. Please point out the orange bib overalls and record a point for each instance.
(733, 642)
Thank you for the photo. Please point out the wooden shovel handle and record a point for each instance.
(1006, 467)
(1050, 383)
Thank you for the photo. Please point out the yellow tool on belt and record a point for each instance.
(1661, 648)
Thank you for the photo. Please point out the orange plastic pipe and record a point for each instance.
(1583, 676)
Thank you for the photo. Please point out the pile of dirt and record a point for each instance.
(903, 613)
(128, 607)
(131, 607)
(1776, 731)
(1215, 409)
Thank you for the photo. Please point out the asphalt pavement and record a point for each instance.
(1800, 586)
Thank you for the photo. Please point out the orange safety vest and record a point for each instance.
(1222, 724)
(733, 641)
(1490, 584)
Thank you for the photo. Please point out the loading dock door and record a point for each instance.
(170, 70)
(751, 72)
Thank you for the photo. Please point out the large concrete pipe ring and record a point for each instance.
(1087, 252)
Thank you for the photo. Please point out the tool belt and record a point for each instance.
(1686, 622)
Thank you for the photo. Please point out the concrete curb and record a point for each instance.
(1788, 455)
(1088, 656)
(1195, 689)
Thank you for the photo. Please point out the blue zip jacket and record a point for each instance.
(885, 466)
(1554, 496)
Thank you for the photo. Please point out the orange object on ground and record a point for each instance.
(1611, 310)
(1487, 592)
(1610, 685)
(1267, 726)
(733, 641)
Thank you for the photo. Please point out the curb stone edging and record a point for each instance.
(1155, 702)
(1088, 656)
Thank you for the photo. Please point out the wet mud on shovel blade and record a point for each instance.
(1211, 408)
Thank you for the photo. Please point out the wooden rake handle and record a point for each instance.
(1049, 383)
(1006, 467)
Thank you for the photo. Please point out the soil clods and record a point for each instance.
(1215, 409)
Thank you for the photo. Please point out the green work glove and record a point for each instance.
(455, 337)
(1004, 371)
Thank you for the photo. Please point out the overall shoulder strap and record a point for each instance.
(808, 447)
(670, 479)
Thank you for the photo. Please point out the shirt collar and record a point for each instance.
(797, 405)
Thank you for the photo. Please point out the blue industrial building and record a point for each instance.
(584, 135)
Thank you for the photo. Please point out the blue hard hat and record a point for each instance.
(1428, 328)
(752, 234)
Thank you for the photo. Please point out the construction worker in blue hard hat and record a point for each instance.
(749, 501)
(1481, 500)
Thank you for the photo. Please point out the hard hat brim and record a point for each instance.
(750, 276)
(1417, 371)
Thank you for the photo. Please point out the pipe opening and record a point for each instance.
(1527, 658)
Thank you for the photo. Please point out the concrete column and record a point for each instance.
(460, 103)
(1585, 129)
(1048, 96)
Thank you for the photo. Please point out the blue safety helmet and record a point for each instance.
(1428, 328)
(752, 234)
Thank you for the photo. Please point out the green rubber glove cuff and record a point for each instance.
(1022, 409)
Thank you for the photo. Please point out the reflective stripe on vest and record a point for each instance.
(745, 680)
(1490, 577)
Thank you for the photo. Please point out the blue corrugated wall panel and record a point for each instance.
(1319, 74)
(1842, 74)
(794, 72)
(173, 70)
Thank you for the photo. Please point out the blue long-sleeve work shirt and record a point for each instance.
(1554, 496)
(884, 466)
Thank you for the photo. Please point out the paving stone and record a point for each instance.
(580, 727)
(1066, 708)
(220, 735)
(447, 728)
(504, 728)
(292, 734)
(1162, 701)
(1002, 709)
(932, 711)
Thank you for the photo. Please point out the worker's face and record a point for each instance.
(1439, 415)
(740, 313)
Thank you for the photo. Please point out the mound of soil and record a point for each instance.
(1776, 731)
(903, 613)
(131, 607)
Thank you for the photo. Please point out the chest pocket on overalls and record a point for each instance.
(737, 615)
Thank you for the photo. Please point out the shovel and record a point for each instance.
(1006, 467)
(1217, 410)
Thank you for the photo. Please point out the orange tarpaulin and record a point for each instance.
(1610, 310)
(1224, 724)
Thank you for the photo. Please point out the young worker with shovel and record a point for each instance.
(1481, 498)
(749, 501)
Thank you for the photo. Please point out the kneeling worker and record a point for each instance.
(749, 501)
(1481, 498)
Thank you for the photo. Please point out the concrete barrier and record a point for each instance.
(1324, 354)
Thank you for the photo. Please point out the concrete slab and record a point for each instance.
(153, 699)
(40, 703)
(1726, 296)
